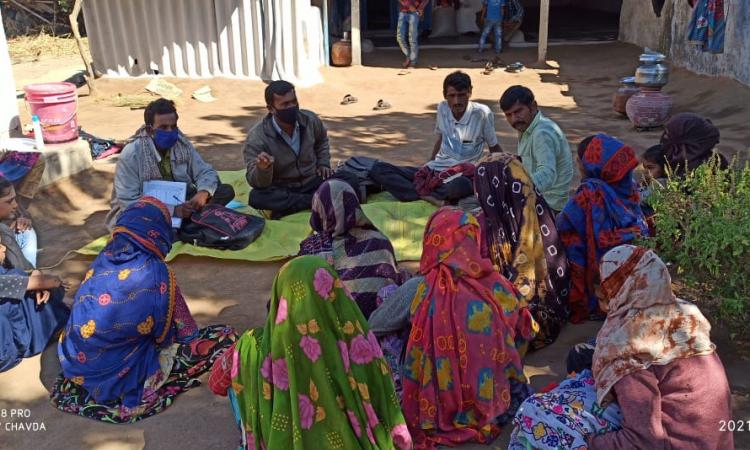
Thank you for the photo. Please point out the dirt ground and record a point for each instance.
(576, 91)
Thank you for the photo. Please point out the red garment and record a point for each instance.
(468, 323)
(680, 405)
(412, 5)
(427, 180)
(221, 373)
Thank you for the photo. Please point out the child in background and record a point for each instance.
(493, 20)
(654, 162)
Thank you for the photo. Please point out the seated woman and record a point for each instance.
(314, 376)
(689, 140)
(31, 312)
(463, 368)
(520, 237)
(362, 255)
(653, 356)
(16, 231)
(604, 212)
(131, 345)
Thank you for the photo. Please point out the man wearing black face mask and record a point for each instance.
(287, 154)
(159, 151)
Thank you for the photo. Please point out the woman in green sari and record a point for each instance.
(314, 376)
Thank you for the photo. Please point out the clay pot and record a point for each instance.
(341, 53)
(650, 108)
(626, 90)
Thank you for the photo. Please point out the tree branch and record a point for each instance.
(77, 33)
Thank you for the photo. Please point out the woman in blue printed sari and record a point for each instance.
(604, 212)
(131, 345)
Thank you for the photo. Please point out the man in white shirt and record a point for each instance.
(463, 128)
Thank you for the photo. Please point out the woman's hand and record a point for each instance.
(21, 224)
(42, 297)
(38, 281)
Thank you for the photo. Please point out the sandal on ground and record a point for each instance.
(404, 72)
(349, 99)
(488, 68)
(514, 67)
(382, 104)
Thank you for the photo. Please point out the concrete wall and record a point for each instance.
(639, 25)
(612, 6)
(8, 105)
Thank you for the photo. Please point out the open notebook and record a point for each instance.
(171, 193)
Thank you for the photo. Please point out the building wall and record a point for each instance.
(251, 39)
(612, 6)
(8, 104)
(639, 25)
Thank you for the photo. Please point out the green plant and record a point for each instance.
(65, 5)
(703, 227)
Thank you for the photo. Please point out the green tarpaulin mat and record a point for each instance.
(403, 223)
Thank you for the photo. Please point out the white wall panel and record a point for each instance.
(250, 39)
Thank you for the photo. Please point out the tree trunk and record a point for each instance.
(86, 61)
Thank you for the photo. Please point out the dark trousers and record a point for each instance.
(223, 194)
(399, 181)
(282, 201)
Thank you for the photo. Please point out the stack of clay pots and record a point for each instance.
(650, 107)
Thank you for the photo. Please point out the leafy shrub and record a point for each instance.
(703, 228)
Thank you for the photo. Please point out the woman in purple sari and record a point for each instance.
(362, 255)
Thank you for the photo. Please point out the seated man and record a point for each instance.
(463, 128)
(542, 146)
(159, 151)
(287, 154)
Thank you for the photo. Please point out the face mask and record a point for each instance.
(165, 139)
(288, 115)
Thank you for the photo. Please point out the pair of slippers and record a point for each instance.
(380, 105)
(510, 68)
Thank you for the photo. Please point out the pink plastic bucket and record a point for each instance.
(56, 104)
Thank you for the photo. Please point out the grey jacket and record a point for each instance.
(128, 185)
(13, 252)
(289, 169)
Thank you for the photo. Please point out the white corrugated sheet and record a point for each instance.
(8, 103)
(251, 39)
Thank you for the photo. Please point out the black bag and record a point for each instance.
(216, 226)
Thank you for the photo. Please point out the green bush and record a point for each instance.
(703, 228)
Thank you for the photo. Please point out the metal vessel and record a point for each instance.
(652, 72)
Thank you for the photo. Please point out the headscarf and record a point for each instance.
(604, 212)
(314, 376)
(523, 243)
(689, 141)
(149, 165)
(122, 313)
(646, 324)
(468, 323)
(362, 255)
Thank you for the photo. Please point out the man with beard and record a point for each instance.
(542, 146)
(463, 128)
(286, 153)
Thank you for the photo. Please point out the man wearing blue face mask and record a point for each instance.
(286, 153)
(159, 151)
